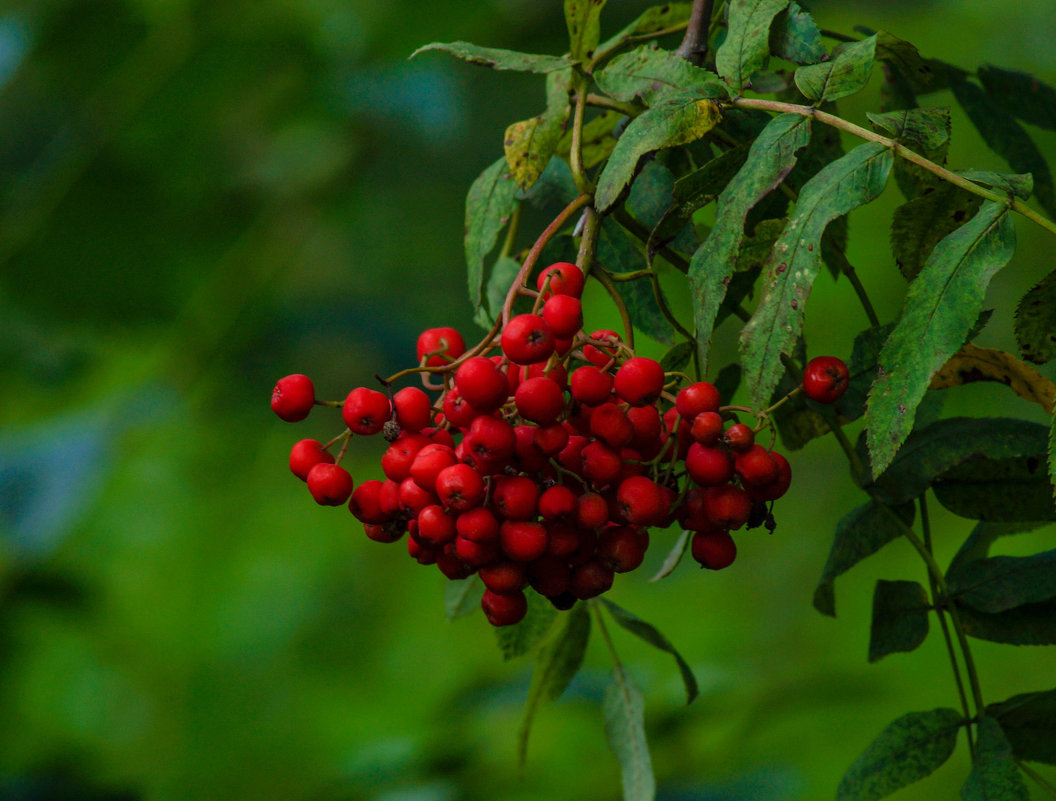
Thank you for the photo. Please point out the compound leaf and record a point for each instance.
(998, 490)
(844, 74)
(652, 20)
(999, 583)
(844, 185)
(940, 307)
(977, 545)
(499, 59)
(918, 225)
(795, 37)
(922, 74)
(1022, 94)
(584, 27)
(900, 618)
(1029, 724)
(1036, 321)
(489, 204)
(909, 749)
(747, 40)
(994, 775)
(624, 710)
(1030, 624)
(647, 73)
(649, 633)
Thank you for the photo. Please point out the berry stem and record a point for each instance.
(1037, 777)
(605, 279)
(605, 632)
(579, 174)
(346, 434)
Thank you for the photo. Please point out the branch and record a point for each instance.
(694, 45)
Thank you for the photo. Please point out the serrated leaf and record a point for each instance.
(998, 490)
(650, 634)
(652, 20)
(584, 28)
(521, 638)
(462, 597)
(860, 533)
(672, 123)
(674, 556)
(977, 545)
(921, 223)
(489, 204)
(648, 73)
(972, 363)
(616, 250)
(1036, 321)
(747, 40)
(529, 144)
(1022, 94)
(900, 618)
(994, 775)
(922, 74)
(1021, 186)
(771, 157)
(499, 283)
(861, 368)
(555, 667)
(851, 181)
(624, 710)
(940, 307)
(924, 130)
(1007, 138)
(795, 37)
(1030, 624)
(844, 74)
(909, 749)
(1029, 724)
(499, 59)
(999, 583)
(944, 444)
(677, 357)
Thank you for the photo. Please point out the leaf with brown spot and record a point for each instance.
(1036, 321)
(972, 363)
(530, 144)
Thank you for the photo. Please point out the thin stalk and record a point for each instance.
(600, 101)
(694, 45)
(511, 232)
(605, 632)
(1037, 777)
(588, 242)
(605, 279)
(579, 174)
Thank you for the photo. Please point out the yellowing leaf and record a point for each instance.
(972, 363)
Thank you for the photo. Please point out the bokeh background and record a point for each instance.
(200, 197)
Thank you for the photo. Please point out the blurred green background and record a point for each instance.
(198, 198)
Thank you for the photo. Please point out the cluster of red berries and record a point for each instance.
(545, 464)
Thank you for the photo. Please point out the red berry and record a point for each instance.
(442, 342)
(640, 501)
(491, 442)
(601, 464)
(482, 384)
(293, 397)
(590, 385)
(305, 455)
(714, 549)
(365, 503)
(727, 506)
(540, 400)
(413, 498)
(549, 576)
(428, 463)
(477, 554)
(590, 579)
(397, 460)
(592, 511)
(478, 525)
(776, 488)
(564, 315)
(504, 609)
(557, 503)
(600, 357)
(329, 484)
(522, 541)
(551, 440)
(708, 466)
(366, 411)
(457, 409)
(435, 526)
(413, 408)
(696, 399)
(390, 532)
(621, 548)
(459, 487)
(707, 428)
(647, 430)
(756, 466)
(639, 381)
(516, 497)
(504, 577)
(739, 437)
(609, 423)
(527, 339)
(825, 379)
(565, 279)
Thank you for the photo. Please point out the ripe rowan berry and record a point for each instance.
(540, 400)
(825, 379)
(329, 484)
(590, 385)
(639, 380)
(445, 343)
(459, 487)
(564, 315)
(707, 428)
(713, 549)
(482, 384)
(413, 408)
(708, 466)
(602, 356)
(504, 609)
(527, 339)
(697, 399)
(293, 397)
(366, 411)
(565, 279)
(305, 455)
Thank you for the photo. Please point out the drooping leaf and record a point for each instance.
(624, 711)
(941, 446)
(896, 93)
(1030, 624)
(617, 251)
(747, 40)
(844, 74)
(674, 122)
(921, 223)
(925, 131)
(499, 282)
(499, 59)
(922, 74)
(648, 73)
(844, 185)
(972, 363)
(909, 749)
(1007, 138)
(529, 144)
(998, 490)
(977, 545)
(677, 357)
(462, 597)
(649, 633)
(771, 157)
(860, 533)
(1021, 94)
(584, 28)
(556, 665)
(489, 204)
(795, 37)
(1000, 583)
(1021, 186)
(1036, 321)
(652, 20)
(1029, 724)
(900, 618)
(939, 309)
(555, 187)
(994, 775)
(520, 638)
(674, 556)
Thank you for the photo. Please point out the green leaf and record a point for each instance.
(851, 181)
(1052, 453)
(499, 282)
(900, 618)
(1030, 624)
(921, 223)
(676, 122)
(860, 533)
(727, 380)
(1000, 583)
(925, 131)
(489, 204)
(977, 545)
(1021, 94)
(520, 638)
(648, 74)
(1006, 137)
(1036, 321)
(649, 633)
(940, 307)
(747, 40)
(462, 597)
(624, 711)
(922, 74)
(795, 37)
(1020, 186)
(861, 367)
(941, 446)
(1029, 723)
(584, 27)
(652, 20)
(994, 775)
(529, 144)
(771, 157)
(999, 490)
(846, 73)
(555, 667)
(618, 252)
(677, 357)
(909, 749)
(674, 556)
(598, 140)
(498, 59)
